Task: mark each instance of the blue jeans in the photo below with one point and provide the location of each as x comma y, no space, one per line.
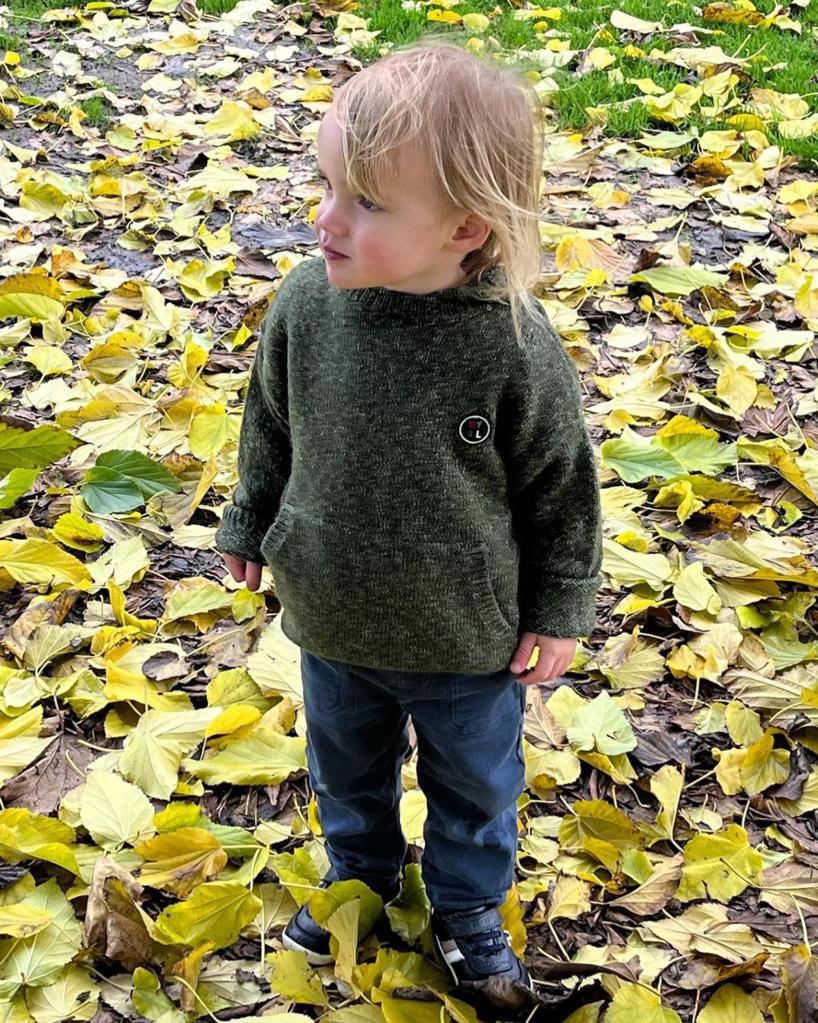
470,767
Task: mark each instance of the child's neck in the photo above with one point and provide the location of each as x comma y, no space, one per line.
454,279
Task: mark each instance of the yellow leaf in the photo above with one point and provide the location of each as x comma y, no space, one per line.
569,898
476,22
145,626
676,105
730,1005
599,58
38,561
232,719
693,589
21,921
666,786
743,724
719,865
512,914
211,429
180,860
74,530
413,810
293,978
234,121
201,280
448,17
263,758
631,24
597,819
216,911
764,766
48,359
634,1002
728,770
737,387
575,252
113,811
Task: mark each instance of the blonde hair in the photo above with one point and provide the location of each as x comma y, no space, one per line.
479,125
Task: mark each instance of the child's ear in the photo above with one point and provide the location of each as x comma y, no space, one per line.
471,233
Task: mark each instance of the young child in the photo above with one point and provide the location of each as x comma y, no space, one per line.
415,470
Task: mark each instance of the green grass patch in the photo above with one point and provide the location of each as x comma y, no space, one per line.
99,112
779,59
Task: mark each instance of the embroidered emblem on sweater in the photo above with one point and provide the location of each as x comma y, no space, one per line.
475,429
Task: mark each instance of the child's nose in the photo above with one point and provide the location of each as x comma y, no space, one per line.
329,220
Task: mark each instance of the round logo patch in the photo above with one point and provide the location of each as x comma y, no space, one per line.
475,429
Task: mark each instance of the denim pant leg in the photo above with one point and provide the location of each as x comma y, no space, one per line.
472,771
356,736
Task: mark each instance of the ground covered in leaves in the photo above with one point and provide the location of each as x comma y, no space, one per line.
157,178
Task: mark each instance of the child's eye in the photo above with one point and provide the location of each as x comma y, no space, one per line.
372,204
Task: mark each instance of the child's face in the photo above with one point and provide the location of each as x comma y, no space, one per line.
413,243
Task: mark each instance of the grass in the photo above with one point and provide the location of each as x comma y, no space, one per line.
98,111
779,59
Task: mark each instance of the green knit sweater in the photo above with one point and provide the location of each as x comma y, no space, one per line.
422,487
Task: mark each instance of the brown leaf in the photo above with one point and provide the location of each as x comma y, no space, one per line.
113,924
799,974
51,612
61,768
655,893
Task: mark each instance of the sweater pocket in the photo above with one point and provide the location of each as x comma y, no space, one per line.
355,597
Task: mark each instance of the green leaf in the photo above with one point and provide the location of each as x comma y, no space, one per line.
634,458
409,916
602,726
33,449
113,811
292,977
216,911
73,996
724,862
263,758
150,1000
14,484
348,910
18,752
298,873
122,480
39,960
679,280
154,750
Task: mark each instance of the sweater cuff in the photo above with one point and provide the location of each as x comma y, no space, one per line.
240,534
562,607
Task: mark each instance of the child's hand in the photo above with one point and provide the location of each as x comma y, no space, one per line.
556,654
243,571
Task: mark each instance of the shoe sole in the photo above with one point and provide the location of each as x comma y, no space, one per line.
313,958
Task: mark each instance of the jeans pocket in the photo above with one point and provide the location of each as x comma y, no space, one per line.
484,704
326,684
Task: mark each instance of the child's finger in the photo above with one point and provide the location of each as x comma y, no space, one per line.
252,575
543,671
235,566
522,655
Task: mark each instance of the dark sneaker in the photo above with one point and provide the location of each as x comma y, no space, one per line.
474,947
303,934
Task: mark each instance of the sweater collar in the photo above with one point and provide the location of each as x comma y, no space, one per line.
433,304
